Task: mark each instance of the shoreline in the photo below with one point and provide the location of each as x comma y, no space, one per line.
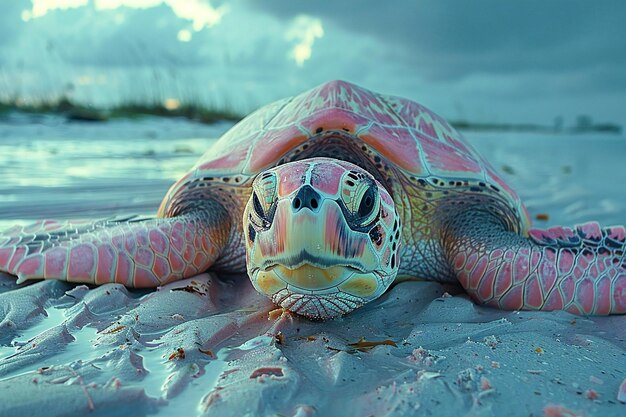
74,112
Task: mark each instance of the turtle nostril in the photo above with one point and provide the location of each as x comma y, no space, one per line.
306,198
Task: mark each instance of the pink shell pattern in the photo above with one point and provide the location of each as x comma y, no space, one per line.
407,134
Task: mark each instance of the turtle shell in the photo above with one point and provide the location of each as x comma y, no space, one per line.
406,135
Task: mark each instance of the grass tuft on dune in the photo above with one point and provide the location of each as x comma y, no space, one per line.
129,110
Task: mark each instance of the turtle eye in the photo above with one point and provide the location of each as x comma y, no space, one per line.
256,204
360,199
366,213
261,218
367,203
263,199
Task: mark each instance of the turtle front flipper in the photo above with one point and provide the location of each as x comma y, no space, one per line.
581,270
138,253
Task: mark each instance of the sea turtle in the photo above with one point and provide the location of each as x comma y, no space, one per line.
325,199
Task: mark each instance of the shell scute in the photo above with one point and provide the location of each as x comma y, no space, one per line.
238,141
337,95
334,119
272,145
448,160
421,118
227,161
396,143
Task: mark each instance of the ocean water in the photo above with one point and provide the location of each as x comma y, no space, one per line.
570,178
53,169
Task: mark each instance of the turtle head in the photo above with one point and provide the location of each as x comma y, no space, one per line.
322,237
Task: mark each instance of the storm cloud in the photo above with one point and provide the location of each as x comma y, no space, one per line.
450,38
485,60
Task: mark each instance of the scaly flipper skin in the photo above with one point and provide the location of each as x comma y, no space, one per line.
135,253
580,270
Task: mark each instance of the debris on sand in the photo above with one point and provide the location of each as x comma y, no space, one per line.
423,357
178,354
596,380
558,410
591,394
491,341
363,345
485,384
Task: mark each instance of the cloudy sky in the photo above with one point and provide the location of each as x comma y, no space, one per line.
482,60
